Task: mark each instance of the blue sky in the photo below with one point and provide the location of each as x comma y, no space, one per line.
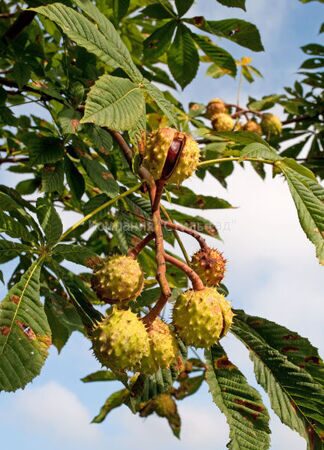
272,272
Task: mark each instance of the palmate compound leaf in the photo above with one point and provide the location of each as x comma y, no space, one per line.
101,39
24,332
114,102
295,396
242,405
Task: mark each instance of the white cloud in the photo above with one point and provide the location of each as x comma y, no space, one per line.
53,411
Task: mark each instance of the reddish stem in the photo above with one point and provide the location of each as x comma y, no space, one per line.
135,251
183,229
197,284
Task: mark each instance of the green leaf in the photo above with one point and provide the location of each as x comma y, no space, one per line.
74,179
120,8
188,386
10,250
43,149
104,42
297,349
166,107
49,220
164,406
159,41
242,137
113,401
308,196
259,150
21,72
265,103
157,11
101,375
100,139
24,332
186,197
69,120
183,6
233,3
75,253
62,317
11,199
114,102
119,235
27,187
183,58
101,177
295,396
216,54
243,33
242,405
14,228
53,178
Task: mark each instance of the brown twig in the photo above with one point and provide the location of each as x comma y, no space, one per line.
12,159
183,229
155,192
135,251
242,111
22,21
155,311
128,153
301,119
11,84
197,284
155,196
7,15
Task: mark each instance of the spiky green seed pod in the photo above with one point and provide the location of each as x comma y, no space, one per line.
271,125
163,345
222,122
253,127
201,318
227,314
215,106
119,279
171,155
120,341
209,264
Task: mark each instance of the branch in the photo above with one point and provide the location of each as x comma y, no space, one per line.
135,251
12,159
241,111
155,195
7,15
197,284
22,21
10,83
128,153
159,242
303,118
183,229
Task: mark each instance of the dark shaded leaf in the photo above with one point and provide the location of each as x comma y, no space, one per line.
183,58
242,405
